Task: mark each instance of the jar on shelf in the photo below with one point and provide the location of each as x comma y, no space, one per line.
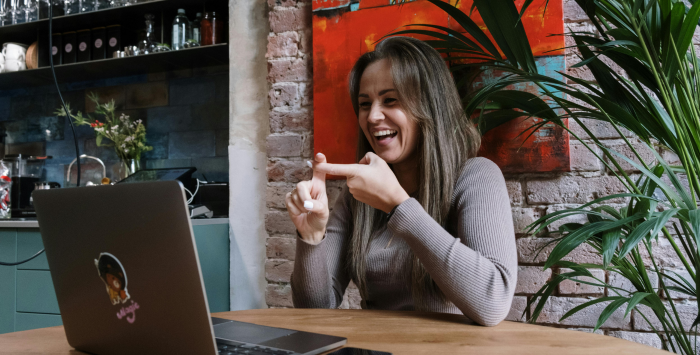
212,29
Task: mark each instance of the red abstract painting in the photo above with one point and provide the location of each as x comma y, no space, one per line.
343,30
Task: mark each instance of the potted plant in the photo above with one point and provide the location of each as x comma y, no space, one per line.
126,136
658,100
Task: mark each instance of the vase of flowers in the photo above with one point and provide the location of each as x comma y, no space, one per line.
127,136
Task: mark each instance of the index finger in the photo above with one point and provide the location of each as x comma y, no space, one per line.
337,169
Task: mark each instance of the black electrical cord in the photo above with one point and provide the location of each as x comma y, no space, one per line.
72,127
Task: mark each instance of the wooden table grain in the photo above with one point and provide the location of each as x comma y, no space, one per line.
391,331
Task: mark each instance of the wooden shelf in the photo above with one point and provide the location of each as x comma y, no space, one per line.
130,17
116,67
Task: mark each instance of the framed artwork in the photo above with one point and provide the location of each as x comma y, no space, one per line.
343,30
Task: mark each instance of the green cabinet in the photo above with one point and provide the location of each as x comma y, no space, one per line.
27,297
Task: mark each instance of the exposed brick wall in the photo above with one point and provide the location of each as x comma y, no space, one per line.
532,195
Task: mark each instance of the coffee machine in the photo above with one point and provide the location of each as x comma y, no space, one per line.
25,172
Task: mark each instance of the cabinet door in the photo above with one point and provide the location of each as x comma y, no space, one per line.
8,252
213,250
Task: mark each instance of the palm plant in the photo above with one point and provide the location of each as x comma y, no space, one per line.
657,98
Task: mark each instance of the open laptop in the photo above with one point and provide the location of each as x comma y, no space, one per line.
124,266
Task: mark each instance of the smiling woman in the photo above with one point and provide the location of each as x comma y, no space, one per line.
417,184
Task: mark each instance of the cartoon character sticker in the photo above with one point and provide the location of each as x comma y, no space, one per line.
113,275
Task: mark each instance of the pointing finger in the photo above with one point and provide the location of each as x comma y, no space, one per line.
320,176
337,169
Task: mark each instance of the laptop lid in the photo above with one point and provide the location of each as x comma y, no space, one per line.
124,266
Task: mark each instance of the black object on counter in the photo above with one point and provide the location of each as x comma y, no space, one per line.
215,196
69,47
99,45
114,39
84,47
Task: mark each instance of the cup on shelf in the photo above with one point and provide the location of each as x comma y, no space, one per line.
118,54
14,50
16,64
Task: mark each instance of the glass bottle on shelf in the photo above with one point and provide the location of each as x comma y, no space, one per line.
217,29
196,28
212,29
180,28
147,45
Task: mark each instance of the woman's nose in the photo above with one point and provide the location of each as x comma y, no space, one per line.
375,113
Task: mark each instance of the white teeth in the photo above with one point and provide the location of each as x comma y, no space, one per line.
384,133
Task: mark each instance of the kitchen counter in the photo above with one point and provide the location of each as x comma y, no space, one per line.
32,223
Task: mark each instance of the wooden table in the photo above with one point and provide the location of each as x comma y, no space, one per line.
395,332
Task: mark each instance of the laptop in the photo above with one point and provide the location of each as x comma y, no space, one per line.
124,266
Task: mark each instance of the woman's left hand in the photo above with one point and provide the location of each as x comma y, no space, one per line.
371,181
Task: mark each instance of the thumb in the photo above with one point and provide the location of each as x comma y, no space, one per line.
319,176
369,158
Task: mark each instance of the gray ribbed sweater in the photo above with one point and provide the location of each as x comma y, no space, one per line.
473,260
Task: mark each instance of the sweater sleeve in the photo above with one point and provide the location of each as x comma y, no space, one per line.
477,269
319,277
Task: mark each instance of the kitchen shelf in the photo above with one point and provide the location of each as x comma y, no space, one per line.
127,16
116,67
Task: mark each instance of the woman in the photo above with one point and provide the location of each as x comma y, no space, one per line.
423,224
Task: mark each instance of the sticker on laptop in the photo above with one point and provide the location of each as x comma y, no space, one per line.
113,275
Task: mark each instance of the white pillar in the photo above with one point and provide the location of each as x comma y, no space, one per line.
249,125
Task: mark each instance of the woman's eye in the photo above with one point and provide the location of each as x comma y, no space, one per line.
365,104
389,101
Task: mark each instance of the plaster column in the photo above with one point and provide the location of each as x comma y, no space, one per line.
249,127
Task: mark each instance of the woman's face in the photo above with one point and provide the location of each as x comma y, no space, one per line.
390,130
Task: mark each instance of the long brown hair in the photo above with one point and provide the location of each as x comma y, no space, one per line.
427,92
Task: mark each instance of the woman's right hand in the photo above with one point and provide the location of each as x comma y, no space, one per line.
307,205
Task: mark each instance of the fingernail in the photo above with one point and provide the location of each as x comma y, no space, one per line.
308,162
309,205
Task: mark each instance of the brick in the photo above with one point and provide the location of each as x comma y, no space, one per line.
277,295
619,281
585,26
284,145
516,309
284,94
299,69
571,287
649,339
306,93
572,189
352,298
556,307
515,192
290,19
279,222
600,129
529,247
622,148
664,254
291,120
573,12
283,45
670,157
531,279
306,42
281,248
582,159
105,94
276,194
288,171
278,270
523,217
677,274
577,218
307,146
687,311
285,3
149,94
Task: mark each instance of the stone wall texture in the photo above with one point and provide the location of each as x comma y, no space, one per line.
290,144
